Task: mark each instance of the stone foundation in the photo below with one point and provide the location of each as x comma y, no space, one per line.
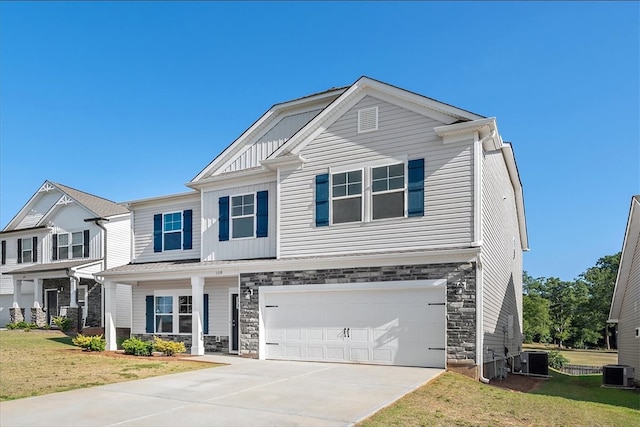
16,315
38,316
461,298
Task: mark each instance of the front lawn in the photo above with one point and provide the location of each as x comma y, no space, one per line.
455,400
40,362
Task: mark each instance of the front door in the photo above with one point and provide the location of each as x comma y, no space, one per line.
235,323
51,304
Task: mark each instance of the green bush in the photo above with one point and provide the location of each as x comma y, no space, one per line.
168,348
137,347
11,326
90,342
557,360
63,322
21,325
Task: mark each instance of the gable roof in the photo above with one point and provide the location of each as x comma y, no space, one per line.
629,247
328,104
97,206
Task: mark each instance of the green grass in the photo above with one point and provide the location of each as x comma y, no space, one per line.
580,357
455,400
41,362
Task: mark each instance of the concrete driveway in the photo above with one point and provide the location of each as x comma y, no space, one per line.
245,393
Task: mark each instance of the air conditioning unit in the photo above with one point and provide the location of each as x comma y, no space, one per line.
535,363
617,375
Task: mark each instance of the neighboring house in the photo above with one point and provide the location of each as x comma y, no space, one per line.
625,307
364,224
51,249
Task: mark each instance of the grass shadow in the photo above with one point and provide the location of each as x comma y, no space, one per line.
63,340
588,388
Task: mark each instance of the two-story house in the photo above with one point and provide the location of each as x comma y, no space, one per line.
364,224
52,248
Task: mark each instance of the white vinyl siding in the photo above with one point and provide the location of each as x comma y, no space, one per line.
629,320
123,307
501,257
118,241
143,229
402,135
246,248
44,202
271,141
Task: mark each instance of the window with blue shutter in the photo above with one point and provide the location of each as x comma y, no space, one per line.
223,218
416,188
205,315
149,315
262,218
322,200
187,238
157,233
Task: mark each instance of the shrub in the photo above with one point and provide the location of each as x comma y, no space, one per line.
557,360
90,342
21,325
63,322
168,348
11,326
137,347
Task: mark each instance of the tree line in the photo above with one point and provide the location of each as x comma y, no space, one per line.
571,313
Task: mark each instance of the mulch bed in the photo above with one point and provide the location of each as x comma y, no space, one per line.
519,383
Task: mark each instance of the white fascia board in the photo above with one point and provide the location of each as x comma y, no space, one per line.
162,199
56,206
252,176
631,238
514,176
21,213
468,130
286,161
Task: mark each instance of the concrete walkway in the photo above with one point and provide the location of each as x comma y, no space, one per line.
244,393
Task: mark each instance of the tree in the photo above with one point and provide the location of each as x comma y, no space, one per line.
536,322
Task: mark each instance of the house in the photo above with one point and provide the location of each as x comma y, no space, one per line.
363,224
50,251
625,306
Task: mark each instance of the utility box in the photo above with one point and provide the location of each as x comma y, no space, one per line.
617,375
535,363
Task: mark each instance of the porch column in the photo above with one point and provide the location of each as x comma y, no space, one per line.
197,309
37,293
74,291
109,288
17,292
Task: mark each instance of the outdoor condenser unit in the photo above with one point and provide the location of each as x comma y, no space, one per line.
617,375
535,362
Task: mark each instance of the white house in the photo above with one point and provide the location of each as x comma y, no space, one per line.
625,307
51,249
364,224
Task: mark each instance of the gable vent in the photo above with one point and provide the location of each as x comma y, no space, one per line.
367,119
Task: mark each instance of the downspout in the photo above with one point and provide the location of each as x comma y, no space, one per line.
479,320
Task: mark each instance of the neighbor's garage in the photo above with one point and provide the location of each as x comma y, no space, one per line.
387,323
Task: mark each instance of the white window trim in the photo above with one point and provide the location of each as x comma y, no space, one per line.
254,215
181,213
405,189
363,190
175,294
30,240
70,244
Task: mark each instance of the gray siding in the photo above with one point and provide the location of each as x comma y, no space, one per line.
628,344
213,249
143,230
402,134
501,258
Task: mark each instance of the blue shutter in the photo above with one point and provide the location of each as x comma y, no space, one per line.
34,250
416,187
149,314
205,315
262,210
223,219
322,200
86,244
157,233
187,229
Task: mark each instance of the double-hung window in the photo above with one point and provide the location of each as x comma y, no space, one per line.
70,245
346,196
243,216
388,186
184,314
63,245
27,250
77,244
164,314
172,230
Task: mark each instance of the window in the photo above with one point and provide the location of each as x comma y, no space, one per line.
242,216
164,314
172,231
346,196
77,244
71,245
63,246
27,250
184,314
388,191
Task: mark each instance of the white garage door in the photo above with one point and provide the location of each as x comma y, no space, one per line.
389,323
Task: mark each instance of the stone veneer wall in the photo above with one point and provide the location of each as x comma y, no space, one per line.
461,308
94,311
212,343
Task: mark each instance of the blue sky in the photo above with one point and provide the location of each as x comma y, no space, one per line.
132,100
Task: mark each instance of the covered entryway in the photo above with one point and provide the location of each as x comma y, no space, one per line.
387,323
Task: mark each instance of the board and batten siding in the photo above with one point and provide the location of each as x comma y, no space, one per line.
401,135
247,248
42,205
501,258
629,320
118,241
143,230
219,301
271,141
